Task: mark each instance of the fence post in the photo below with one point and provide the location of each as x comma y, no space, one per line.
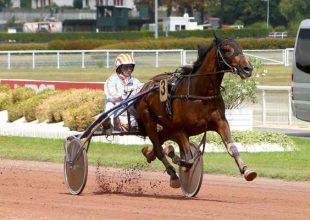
156,58
132,55
289,107
9,60
33,60
287,57
108,54
181,57
184,58
264,106
58,59
83,59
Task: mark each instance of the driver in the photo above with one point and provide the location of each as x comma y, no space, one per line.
118,86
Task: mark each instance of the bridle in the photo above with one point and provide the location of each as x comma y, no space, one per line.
227,60
224,64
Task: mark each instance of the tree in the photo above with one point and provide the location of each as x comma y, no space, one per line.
5,4
295,9
248,12
149,4
25,4
78,4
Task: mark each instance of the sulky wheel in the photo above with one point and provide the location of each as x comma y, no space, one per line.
75,166
191,179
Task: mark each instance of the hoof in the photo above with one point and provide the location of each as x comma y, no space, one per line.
149,154
185,169
250,175
175,182
168,150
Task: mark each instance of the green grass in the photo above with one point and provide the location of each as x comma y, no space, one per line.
276,75
289,165
79,75
284,165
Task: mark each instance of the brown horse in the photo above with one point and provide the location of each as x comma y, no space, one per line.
195,105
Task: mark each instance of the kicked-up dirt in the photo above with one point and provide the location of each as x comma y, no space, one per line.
36,190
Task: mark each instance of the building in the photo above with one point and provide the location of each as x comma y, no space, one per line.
90,4
96,15
181,23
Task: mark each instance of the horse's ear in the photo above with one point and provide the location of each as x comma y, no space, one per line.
216,37
201,50
214,34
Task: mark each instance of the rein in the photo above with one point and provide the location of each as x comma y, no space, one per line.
222,59
195,97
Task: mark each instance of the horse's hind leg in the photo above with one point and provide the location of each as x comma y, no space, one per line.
151,130
187,159
231,148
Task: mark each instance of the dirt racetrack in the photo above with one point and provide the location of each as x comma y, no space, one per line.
36,190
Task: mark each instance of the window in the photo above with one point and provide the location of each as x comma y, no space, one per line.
302,53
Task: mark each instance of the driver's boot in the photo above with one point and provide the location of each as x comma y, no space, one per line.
107,126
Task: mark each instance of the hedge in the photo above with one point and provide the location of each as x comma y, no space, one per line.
22,93
30,105
192,43
124,35
53,107
76,107
5,100
5,97
189,43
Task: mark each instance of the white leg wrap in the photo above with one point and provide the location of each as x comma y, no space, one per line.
231,149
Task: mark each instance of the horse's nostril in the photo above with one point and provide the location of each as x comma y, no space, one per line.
248,70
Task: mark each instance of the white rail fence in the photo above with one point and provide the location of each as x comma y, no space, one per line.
37,59
273,107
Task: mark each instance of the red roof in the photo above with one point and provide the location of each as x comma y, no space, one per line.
213,19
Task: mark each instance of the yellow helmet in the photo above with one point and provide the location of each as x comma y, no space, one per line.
123,59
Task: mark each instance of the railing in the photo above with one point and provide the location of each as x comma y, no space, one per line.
278,35
105,58
274,102
273,107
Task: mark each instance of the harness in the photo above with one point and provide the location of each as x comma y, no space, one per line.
176,77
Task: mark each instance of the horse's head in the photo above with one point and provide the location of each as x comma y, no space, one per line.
231,57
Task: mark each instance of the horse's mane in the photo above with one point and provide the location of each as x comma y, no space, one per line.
186,70
202,53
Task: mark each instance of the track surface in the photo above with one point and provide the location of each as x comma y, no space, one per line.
36,190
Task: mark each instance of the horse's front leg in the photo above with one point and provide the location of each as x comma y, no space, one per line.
224,132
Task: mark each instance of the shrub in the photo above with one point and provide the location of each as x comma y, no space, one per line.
5,88
237,91
44,110
5,100
78,44
31,104
22,93
15,111
79,118
23,46
191,43
53,108
280,28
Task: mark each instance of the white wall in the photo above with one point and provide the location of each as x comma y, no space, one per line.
170,23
